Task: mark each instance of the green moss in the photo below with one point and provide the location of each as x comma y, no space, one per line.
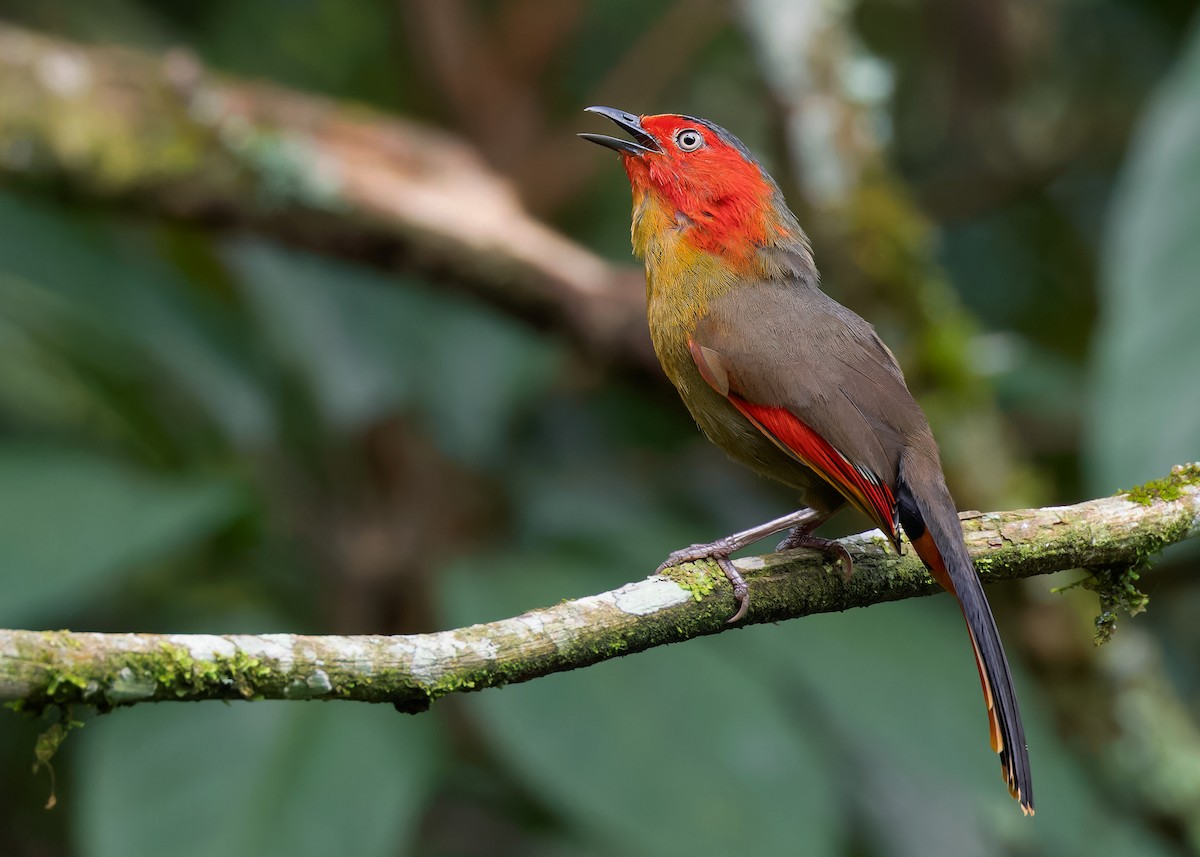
700,578
171,671
62,686
48,742
1166,489
1117,587
174,671
496,675
1118,591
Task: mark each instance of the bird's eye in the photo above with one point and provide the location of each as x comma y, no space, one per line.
689,140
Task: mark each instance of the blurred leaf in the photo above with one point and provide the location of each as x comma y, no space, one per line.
1145,413
484,369
671,752
367,344
899,684
70,521
82,272
346,331
268,778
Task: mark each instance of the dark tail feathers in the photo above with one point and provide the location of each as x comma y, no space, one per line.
928,516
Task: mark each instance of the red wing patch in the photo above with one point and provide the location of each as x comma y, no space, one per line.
860,486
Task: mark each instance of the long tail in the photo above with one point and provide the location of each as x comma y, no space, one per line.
928,516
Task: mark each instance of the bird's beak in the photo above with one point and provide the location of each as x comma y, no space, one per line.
642,142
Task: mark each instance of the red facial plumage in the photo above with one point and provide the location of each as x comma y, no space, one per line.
718,187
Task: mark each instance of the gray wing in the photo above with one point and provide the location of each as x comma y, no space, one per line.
792,347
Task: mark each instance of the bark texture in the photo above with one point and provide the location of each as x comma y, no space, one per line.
1108,536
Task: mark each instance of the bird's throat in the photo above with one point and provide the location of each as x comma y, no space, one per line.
728,229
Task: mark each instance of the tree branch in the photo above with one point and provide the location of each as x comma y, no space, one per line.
165,135
42,668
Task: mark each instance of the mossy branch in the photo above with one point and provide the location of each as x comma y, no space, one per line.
38,669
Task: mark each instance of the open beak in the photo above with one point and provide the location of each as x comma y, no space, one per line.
639,145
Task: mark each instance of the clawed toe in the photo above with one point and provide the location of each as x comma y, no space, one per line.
718,552
679,557
803,521
802,538
713,551
741,592
847,561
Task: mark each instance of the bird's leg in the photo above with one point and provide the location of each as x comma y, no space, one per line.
720,551
801,537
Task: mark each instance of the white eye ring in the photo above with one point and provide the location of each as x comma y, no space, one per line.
689,140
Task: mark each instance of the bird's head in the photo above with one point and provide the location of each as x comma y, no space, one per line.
694,176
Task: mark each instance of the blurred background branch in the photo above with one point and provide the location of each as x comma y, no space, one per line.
1114,534
166,136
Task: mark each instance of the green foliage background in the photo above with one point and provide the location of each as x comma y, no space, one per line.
203,431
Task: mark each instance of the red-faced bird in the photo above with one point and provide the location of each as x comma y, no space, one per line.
789,382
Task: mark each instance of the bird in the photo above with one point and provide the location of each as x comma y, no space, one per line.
789,382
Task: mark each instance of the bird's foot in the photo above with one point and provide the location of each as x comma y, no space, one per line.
718,552
801,537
